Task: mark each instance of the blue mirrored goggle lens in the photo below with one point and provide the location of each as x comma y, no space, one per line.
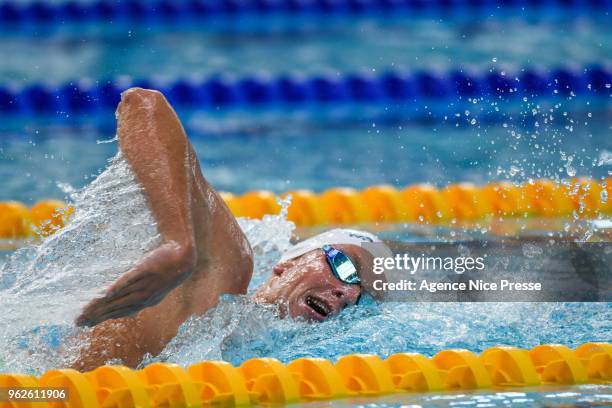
341,265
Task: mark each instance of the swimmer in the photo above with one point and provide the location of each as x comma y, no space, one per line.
203,252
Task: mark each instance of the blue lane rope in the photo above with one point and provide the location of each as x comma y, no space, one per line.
175,11
388,88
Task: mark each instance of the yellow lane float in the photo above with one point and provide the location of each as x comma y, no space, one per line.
267,381
420,203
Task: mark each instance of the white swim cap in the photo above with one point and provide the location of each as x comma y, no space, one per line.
364,239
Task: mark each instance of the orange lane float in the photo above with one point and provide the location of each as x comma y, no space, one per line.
264,381
420,204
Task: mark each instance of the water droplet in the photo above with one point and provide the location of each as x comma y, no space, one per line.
569,169
605,158
531,251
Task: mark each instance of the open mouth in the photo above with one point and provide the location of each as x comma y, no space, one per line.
319,306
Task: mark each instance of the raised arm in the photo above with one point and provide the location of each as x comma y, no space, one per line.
203,253
156,147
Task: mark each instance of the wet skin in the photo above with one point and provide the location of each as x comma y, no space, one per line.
305,287
203,253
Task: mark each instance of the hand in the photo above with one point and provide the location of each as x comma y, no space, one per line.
146,284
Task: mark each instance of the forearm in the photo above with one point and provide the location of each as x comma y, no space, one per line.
156,147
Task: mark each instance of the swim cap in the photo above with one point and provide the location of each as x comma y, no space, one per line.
340,236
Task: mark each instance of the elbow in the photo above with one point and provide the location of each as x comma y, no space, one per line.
140,96
137,107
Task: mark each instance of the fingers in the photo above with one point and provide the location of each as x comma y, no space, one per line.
113,313
130,293
131,300
126,310
91,321
124,284
101,310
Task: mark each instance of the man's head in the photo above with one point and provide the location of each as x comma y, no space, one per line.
304,284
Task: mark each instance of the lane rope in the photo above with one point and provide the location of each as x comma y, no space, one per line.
420,204
264,381
166,11
392,88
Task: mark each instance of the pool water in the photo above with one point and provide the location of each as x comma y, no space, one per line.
340,45
313,155
580,396
62,157
243,150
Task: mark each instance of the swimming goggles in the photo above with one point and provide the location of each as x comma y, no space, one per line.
342,267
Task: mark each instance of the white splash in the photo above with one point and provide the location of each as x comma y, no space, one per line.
44,286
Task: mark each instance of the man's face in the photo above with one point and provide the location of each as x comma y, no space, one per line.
306,287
